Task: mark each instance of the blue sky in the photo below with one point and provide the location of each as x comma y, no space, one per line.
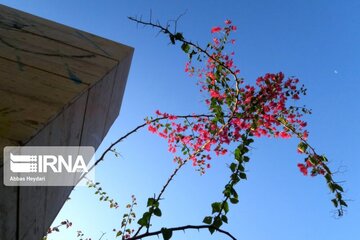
317,41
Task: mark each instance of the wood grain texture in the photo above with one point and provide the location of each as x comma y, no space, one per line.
117,92
51,56
12,18
97,105
8,210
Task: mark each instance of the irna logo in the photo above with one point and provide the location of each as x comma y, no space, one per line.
46,163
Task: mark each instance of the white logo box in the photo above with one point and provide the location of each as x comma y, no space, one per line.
47,166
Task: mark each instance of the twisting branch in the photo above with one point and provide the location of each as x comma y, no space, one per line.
183,228
175,36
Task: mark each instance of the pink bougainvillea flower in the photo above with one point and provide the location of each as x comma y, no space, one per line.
284,135
152,129
296,97
303,169
227,22
215,29
309,163
216,94
187,66
305,135
172,117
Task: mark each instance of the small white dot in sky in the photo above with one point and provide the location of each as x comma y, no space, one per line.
336,72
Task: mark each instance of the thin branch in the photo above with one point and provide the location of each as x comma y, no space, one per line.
183,228
102,235
166,30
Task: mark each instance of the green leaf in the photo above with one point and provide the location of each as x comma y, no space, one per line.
142,222
211,230
233,167
166,233
249,141
338,187
313,160
224,219
338,195
335,202
157,212
234,193
237,154
244,150
242,175
150,202
172,39
216,207
343,203
331,186
207,220
234,200
241,167
118,233
217,222
227,192
302,147
235,178
185,47
179,36
226,207
328,178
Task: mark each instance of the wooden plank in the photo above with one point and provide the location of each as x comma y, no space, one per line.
96,111
30,98
12,18
31,213
117,93
26,118
65,129
8,210
53,56
37,84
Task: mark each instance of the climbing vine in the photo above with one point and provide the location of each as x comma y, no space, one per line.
238,113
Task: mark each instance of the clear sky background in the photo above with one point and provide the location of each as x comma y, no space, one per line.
317,41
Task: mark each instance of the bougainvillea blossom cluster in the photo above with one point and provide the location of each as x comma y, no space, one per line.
262,109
